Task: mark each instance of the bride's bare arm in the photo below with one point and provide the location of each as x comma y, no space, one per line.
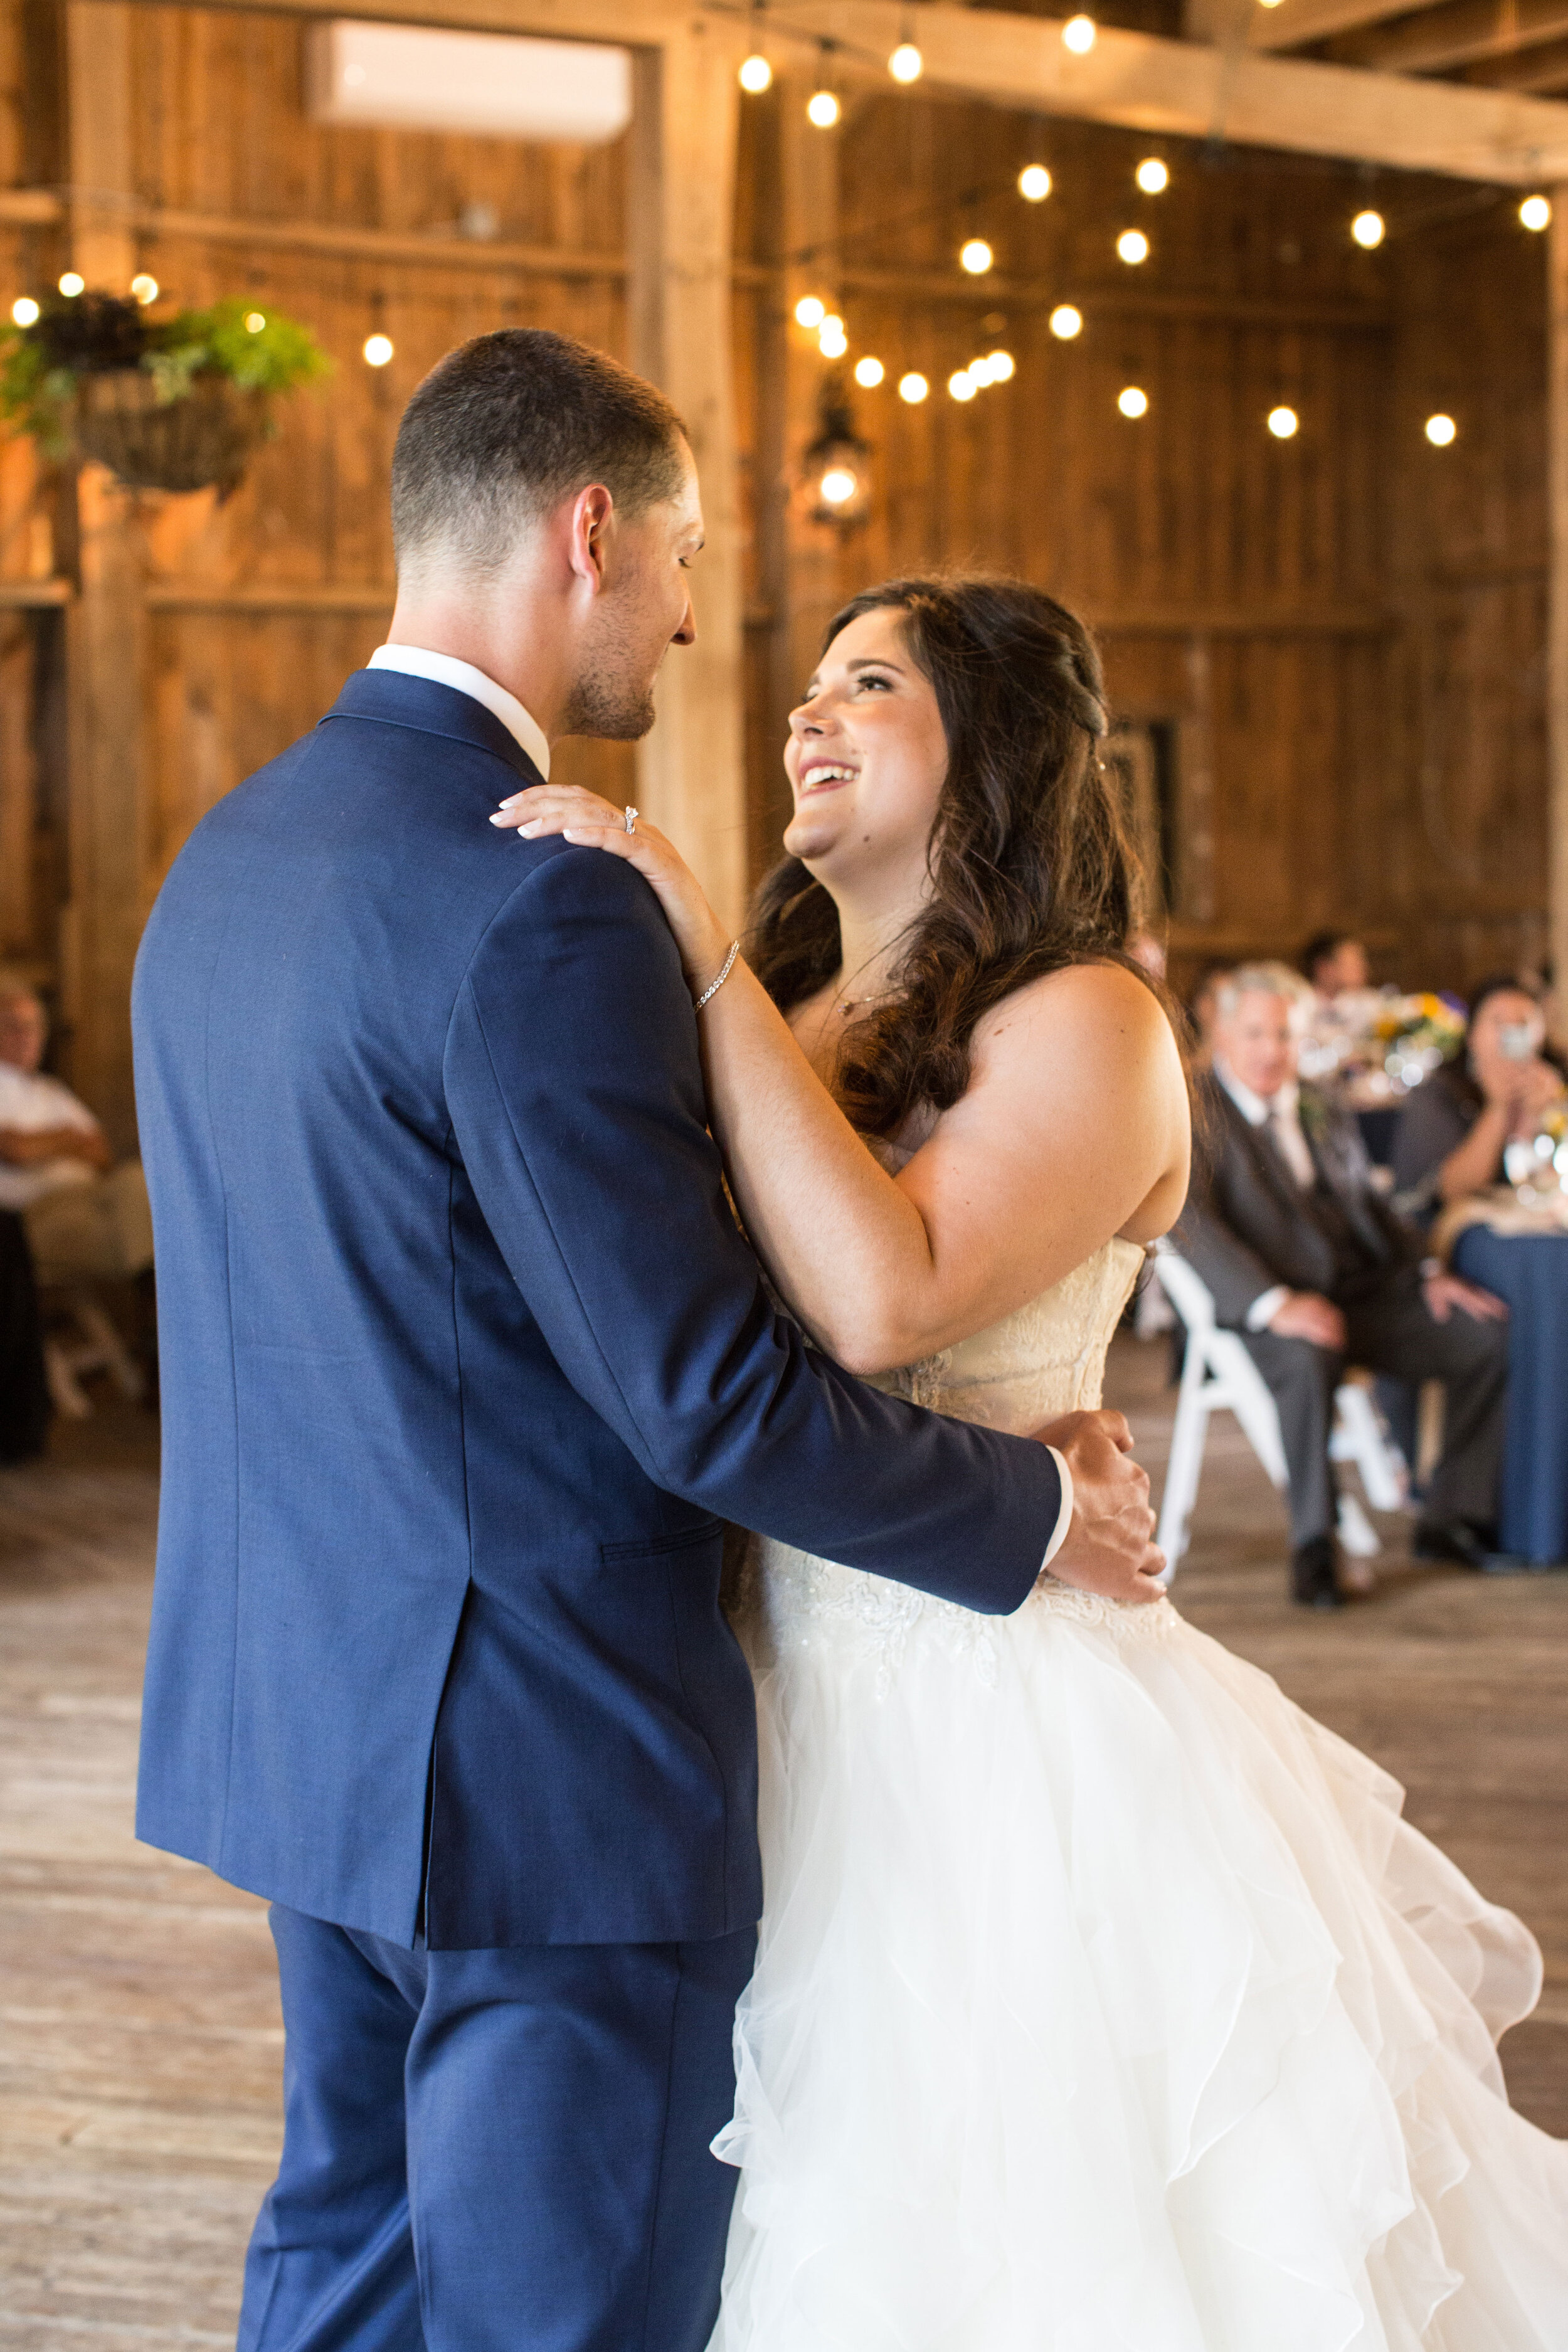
1074,1127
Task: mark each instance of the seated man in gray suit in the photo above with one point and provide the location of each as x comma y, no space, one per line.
1313,1270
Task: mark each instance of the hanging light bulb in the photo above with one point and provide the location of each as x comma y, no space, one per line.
913,387
822,109
1033,183
254,321
1004,367
144,286
1154,175
832,340
1283,423
1132,247
906,64
1133,401
962,384
1369,229
868,372
1078,35
976,255
72,284
810,312
1064,322
377,351
1535,212
755,74
25,310
1441,430
979,372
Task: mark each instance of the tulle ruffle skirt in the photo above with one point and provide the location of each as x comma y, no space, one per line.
1104,2004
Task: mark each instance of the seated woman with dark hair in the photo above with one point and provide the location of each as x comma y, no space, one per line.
1454,1128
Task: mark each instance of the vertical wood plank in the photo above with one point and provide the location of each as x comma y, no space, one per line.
691,767
1557,600
104,914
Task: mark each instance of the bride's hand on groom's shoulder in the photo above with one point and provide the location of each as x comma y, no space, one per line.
582,818
1110,1547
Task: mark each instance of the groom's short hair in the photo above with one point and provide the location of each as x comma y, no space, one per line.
509,424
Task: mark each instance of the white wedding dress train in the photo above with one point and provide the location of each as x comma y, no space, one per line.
1103,2002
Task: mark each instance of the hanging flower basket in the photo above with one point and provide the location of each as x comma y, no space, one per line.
204,439
173,403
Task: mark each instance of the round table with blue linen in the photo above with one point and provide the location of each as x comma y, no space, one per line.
1530,1272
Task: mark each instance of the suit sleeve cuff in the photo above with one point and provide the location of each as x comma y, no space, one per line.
1263,1311
1064,1517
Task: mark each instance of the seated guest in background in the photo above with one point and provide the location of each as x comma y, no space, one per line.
1334,961
47,1137
1202,1009
1454,1130
84,1220
1312,1267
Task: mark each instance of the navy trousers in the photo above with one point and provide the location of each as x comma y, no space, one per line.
497,2151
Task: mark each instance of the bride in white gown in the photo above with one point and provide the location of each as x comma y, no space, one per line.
1103,2002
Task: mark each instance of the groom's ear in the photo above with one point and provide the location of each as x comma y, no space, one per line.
591,517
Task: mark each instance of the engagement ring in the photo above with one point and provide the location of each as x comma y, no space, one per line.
630,818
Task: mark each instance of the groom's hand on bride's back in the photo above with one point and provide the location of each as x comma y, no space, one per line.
1110,1547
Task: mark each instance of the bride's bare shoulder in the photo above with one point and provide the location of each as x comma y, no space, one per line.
1084,1011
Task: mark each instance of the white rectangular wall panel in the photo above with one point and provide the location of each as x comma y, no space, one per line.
499,85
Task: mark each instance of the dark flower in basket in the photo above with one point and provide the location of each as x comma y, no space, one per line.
173,402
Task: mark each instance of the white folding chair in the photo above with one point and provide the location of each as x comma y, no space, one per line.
1217,1374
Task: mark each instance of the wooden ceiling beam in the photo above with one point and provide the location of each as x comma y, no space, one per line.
1135,79
1457,34
1191,92
1297,24
1537,71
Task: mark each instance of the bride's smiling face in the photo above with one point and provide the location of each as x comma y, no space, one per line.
866,759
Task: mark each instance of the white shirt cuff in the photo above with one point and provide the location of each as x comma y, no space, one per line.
1263,1311
1064,1517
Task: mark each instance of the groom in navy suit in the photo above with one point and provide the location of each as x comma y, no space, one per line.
464,1365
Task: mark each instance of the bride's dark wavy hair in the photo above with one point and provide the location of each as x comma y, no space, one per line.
1031,867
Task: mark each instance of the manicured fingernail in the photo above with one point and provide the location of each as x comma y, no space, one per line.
535,825
511,800
498,818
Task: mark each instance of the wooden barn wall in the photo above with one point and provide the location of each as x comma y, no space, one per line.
1468,579
1338,636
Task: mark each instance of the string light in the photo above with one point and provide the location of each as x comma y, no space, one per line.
869,371
1133,401
1535,212
1078,35
1154,175
1440,430
377,350
144,286
962,384
1004,367
976,255
1283,423
254,321
25,310
822,109
72,284
913,387
979,372
1033,183
809,311
1132,247
838,486
832,340
1064,322
1369,229
906,64
755,74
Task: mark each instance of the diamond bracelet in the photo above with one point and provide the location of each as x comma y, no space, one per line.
714,986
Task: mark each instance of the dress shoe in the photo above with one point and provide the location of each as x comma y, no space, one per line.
1313,1581
1469,1546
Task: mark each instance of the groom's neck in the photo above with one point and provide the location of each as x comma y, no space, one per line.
518,633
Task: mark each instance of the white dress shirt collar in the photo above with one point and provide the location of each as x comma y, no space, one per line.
444,669
1259,1109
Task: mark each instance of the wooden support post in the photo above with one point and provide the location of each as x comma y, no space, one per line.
680,203
105,911
1557,607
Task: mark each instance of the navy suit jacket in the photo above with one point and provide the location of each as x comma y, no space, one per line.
464,1362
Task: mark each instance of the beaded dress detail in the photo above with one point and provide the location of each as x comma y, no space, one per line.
1103,2001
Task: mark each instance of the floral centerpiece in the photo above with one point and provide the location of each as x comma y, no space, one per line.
1379,1043
172,403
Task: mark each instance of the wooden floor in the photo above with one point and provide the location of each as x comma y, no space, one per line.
140,2042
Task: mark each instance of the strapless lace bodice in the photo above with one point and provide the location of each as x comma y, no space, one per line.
1045,1359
